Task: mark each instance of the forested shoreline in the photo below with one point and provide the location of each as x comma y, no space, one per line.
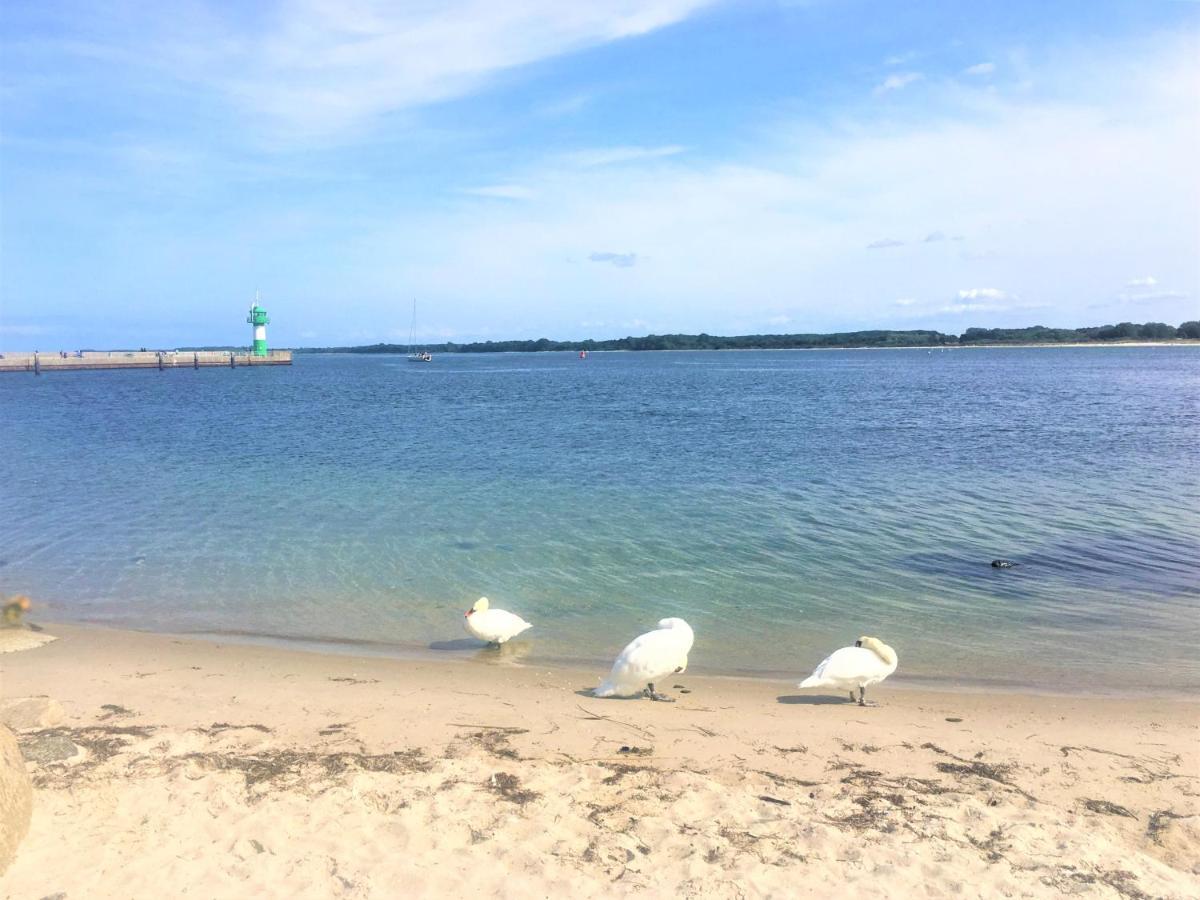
1037,334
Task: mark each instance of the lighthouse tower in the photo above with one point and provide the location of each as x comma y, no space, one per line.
258,318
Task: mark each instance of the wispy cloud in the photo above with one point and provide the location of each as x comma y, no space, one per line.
607,156
983,68
884,243
906,301
1146,281
982,294
933,237
322,68
620,260
898,81
500,191
1152,296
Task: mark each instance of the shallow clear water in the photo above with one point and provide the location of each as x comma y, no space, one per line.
783,502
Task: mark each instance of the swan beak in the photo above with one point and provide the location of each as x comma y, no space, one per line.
858,643
467,614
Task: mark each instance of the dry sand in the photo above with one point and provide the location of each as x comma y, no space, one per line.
165,765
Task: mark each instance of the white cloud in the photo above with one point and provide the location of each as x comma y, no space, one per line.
906,301
318,67
1152,296
607,156
620,260
500,191
788,220
1147,281
884,243
983,68
898,81
982,294
933,237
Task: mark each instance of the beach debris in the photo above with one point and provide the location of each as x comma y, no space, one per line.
769,799
508,787
596,716
1160,822
1004,564
350,680
993,846
494,741
799,748
300,768
955,719
113,711
218,727
636,751
1104,807
14,610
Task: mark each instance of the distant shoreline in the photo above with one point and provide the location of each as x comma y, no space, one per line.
332,351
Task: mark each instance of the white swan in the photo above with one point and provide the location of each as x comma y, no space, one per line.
493,625
648,658
868,662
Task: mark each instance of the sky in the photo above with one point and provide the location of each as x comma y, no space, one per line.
534,168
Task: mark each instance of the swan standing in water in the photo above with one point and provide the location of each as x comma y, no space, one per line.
868,662
493,625
649,657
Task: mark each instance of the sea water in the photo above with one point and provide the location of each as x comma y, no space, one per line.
784,503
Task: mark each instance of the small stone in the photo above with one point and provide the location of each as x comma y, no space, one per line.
48,748
27,713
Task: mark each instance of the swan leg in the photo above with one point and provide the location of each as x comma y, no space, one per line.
862,697
654,695
852,696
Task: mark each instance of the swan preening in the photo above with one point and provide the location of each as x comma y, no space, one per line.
493,625
648,658
868,662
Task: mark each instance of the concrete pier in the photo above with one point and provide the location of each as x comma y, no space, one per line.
138,359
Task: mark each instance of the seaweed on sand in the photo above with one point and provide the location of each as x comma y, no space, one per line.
508,787
302,768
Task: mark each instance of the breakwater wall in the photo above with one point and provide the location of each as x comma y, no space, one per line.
138,359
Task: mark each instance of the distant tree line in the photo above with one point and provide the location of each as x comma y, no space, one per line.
1037,334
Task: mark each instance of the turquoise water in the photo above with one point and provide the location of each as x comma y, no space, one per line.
782,502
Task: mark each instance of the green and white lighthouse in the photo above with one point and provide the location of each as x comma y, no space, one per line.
259,319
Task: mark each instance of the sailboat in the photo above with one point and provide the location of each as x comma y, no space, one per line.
415,355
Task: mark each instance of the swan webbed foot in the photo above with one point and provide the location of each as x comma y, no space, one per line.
655,695
862,697
852,699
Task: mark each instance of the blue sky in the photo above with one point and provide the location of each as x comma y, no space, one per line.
533,168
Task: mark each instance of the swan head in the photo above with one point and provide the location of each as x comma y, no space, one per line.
480,605
878,647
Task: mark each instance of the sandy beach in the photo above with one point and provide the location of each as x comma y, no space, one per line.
164,765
